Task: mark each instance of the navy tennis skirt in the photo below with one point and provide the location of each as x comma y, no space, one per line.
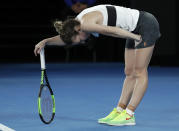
148,28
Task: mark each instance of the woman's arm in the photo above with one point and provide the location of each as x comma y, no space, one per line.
56,40
110,31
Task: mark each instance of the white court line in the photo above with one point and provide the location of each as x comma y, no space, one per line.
5,128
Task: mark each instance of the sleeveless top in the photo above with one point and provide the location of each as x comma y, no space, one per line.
126,18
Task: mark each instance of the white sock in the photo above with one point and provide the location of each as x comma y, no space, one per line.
131,113
119,109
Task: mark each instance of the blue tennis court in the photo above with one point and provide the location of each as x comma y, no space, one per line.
85,92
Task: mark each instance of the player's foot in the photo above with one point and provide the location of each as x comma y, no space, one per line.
111,116
122,119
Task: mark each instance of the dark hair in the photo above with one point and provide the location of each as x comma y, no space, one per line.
66,29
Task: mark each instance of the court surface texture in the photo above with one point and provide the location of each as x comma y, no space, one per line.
85,92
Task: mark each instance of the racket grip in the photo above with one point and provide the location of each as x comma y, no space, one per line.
42,58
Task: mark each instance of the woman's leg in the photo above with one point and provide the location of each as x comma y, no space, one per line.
136,83
127,87
129,81
142,60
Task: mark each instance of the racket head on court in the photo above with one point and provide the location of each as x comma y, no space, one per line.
46,101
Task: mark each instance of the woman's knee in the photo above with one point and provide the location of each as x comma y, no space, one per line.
140,71
129,71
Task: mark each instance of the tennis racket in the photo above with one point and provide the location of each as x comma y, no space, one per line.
46,100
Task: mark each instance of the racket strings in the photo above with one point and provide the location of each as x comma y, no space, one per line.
46,104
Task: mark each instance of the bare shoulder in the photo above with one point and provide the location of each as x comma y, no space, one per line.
92,17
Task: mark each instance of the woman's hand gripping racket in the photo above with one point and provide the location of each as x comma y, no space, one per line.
46,100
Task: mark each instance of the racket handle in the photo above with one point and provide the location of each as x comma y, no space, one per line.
42,58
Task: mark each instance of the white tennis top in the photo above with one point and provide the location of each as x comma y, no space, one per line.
127,18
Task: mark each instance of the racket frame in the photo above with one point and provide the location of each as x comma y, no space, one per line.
44,78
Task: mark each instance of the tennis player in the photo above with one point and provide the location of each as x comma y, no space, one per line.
141,31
